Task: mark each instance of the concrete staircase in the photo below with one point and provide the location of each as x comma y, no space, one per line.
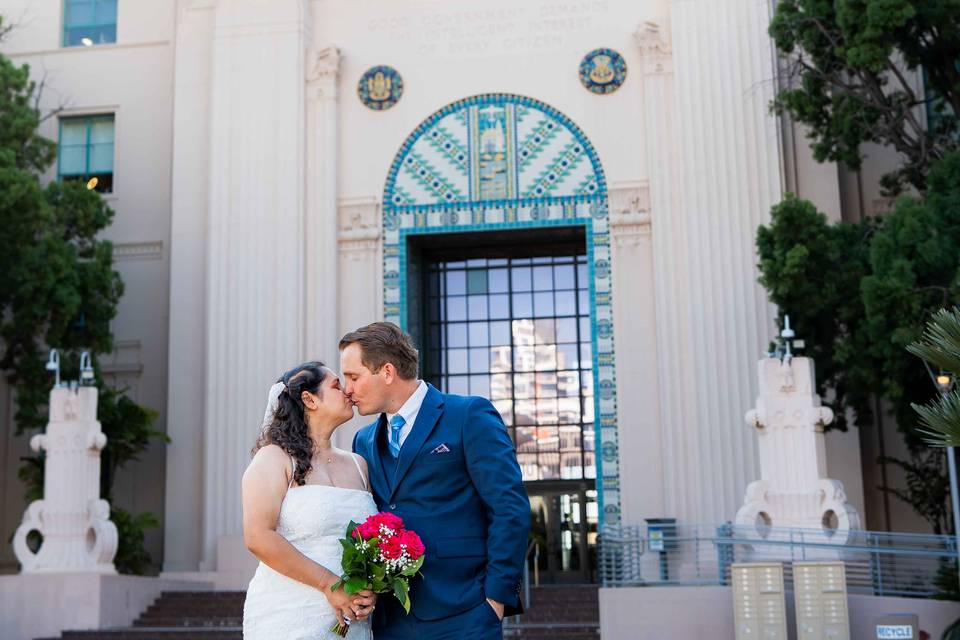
556,613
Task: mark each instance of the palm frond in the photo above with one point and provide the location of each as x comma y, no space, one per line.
940,345
941,420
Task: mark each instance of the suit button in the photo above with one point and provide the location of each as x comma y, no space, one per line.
393,506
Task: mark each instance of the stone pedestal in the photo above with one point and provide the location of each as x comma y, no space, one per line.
74,522
794,490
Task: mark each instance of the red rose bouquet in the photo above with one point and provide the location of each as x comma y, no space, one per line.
380,555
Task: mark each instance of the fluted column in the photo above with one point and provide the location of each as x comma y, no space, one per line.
714,174
322,259
255,241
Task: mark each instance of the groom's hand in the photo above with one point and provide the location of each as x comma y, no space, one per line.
497,607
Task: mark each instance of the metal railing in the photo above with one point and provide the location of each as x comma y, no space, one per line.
878,563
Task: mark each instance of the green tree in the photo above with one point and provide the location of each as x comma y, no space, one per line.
849,68
59,289
859,294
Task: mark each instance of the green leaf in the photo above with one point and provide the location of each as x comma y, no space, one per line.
401,591
355,584
350,527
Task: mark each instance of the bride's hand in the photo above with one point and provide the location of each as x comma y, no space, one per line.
342,603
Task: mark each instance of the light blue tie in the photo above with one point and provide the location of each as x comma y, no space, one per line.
396,424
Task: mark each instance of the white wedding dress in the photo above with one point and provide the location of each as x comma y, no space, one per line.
313,518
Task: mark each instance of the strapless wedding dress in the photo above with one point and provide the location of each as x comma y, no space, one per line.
313,518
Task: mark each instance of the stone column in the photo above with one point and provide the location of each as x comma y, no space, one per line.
714,158
74,522
635,326
323,265
256,265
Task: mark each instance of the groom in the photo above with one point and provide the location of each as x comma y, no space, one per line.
446,465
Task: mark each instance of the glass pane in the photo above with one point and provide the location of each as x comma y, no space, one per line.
584,300
583,276
567,356
499,306
585,333
589,466
547,439
501,386
570,468
568,411
568,385
549,466
101,130
588,406
476,281
546,357
479,360
542,304
526,439
525,412
547,385
500,359
106,12
456,308
524,358
542,278
458,385
101,158
73,132
500,333
456,282
477,307
545,331
523,332
586,360
498,280
505,407
567,304
563,277
478,334
570,438
586,383
520,278
524,385
566,330
522,305
529,466
480,386
456,335
456,360
78,13
73,160
547,411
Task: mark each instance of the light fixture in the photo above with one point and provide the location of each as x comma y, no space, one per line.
86,368
53,364
944,382
87,42
92,183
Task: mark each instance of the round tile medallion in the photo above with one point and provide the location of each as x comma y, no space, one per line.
380,88
603,71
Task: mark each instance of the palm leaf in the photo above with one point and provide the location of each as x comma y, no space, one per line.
940,345
941,420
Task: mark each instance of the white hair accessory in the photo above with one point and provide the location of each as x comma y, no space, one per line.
272,401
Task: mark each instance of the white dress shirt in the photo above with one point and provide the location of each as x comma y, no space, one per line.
409,411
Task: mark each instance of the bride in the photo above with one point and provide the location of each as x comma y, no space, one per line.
299,494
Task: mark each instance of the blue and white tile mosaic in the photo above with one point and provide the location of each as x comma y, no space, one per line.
603,71
502,161
380,88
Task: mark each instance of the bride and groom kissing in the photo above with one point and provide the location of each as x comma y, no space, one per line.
443,463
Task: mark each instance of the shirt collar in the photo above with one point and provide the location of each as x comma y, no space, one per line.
412,405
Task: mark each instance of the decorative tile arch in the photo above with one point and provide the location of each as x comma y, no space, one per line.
503,161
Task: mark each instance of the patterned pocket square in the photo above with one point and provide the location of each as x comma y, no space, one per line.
443,448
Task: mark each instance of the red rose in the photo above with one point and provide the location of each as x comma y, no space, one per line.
390,547
413,542
366,531
385,519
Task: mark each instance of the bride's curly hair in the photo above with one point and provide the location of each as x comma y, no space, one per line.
288,429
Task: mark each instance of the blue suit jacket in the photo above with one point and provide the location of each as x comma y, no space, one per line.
468,505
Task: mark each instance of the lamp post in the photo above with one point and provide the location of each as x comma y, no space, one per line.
945,382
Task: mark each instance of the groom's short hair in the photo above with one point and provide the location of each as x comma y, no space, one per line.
383,342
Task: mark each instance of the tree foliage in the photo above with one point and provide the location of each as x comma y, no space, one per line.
850,75
58,289
859,294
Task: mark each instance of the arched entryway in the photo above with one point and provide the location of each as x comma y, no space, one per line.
496,258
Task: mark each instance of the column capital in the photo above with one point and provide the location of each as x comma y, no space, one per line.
323,71
656,50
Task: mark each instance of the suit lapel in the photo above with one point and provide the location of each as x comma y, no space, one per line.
374,449
430,412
